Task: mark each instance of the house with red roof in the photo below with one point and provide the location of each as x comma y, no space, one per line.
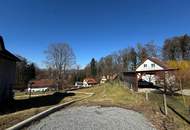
41,85
87,82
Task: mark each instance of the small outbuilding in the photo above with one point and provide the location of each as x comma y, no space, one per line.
7,72
103,80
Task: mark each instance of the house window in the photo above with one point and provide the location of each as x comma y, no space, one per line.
145,65
152,65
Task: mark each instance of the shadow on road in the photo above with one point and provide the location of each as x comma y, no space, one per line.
34,102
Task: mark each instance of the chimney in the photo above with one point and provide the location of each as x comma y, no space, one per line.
2,46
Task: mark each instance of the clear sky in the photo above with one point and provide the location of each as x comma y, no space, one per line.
93,28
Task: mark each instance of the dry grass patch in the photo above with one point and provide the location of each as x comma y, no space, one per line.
9,120
116,94
177,103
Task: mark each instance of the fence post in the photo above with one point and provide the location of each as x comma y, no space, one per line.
180,84
165,105
147,98
131,87
29,88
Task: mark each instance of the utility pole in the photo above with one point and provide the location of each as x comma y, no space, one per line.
180,84
147,98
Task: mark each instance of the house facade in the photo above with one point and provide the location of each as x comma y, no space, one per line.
87,82
7,72
150,73
149,69
103,80
150,65
41,85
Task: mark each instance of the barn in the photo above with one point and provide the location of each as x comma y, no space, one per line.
7,72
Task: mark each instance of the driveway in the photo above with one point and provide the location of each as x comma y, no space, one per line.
93,118
185,92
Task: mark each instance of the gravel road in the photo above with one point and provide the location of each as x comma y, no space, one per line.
93,118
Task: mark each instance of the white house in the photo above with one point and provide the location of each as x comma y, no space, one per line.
88,82
103,80
147,70
41,85
151,64
150,73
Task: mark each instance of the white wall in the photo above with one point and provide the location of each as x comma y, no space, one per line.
149,67
37,89
85,84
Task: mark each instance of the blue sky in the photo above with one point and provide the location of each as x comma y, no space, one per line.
93,28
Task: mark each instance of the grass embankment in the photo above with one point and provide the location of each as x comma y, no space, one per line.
176,103
25,95
23,107
115,94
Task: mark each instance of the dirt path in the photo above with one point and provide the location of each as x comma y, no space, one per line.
93,118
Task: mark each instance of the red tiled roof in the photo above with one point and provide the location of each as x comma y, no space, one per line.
90,80
42,83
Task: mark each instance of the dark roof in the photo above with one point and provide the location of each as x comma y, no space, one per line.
5,53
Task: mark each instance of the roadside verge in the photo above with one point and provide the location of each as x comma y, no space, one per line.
48,112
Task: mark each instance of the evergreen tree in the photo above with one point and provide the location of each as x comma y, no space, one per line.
32,71
93,67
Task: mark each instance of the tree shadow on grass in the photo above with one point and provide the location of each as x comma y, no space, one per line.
34,102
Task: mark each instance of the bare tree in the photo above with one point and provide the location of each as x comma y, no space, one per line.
60,57
177,48
152,49
141,52
125,58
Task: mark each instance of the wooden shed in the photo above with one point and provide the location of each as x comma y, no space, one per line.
7,72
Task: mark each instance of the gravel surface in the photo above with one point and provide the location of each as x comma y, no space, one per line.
93,118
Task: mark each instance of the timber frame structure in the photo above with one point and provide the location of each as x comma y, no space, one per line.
131,78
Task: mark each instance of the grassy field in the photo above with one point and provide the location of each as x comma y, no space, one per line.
113,94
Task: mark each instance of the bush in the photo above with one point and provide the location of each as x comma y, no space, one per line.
183,72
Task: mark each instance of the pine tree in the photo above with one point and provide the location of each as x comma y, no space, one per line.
93,67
